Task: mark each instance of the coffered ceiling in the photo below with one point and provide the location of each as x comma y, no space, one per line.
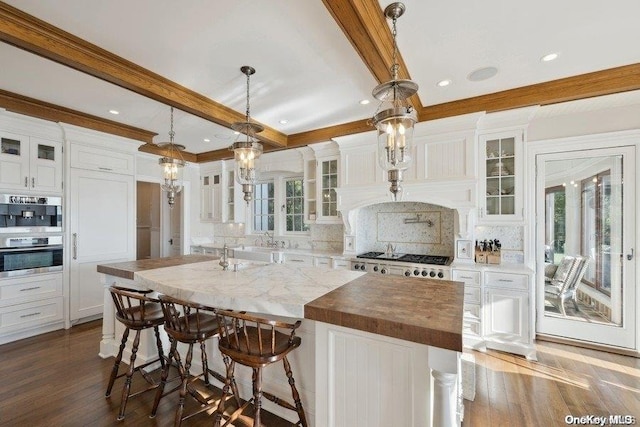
75,60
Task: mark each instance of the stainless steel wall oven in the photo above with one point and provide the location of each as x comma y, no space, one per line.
21,256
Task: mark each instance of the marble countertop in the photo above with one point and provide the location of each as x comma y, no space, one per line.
414,309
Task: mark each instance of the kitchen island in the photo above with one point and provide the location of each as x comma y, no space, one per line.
377,350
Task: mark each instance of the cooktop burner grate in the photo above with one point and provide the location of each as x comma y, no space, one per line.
413,258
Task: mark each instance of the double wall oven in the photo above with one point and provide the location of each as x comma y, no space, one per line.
31,240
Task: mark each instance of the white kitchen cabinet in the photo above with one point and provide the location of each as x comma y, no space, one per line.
30,305
327,180
472,322
102,230
211,197
306,260
501,177
310,191
233,205
30,163
507,320
341,263
99,159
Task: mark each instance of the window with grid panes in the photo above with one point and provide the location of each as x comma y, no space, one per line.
263,207
294,202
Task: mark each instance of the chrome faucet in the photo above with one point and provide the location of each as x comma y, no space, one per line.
270,242
391,250
224,260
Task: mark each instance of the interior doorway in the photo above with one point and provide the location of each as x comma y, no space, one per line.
148,223
585,205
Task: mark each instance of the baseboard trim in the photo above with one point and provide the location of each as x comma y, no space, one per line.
592,346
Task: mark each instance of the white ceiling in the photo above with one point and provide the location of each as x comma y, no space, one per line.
307,71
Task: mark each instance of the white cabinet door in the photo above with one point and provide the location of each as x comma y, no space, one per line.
327,199
507,315
101,210
501,177
30,164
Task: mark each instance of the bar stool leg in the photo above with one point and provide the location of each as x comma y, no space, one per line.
229,382
127,384
163,378
159,345
184,373
205,364
294,392
116,364
257,396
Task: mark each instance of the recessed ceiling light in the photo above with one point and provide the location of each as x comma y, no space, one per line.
283,122
114,111
206,140
443,83
364,102
482,74
550,57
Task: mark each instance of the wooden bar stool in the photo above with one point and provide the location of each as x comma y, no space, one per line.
257,342
135,310
190,323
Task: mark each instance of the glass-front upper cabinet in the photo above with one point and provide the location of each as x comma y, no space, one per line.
29,163
501,176
327,180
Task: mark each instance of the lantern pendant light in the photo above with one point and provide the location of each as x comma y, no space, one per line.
395,116
172,165
247,149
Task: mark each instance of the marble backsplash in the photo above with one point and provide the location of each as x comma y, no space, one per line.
411,227
511,238
321,237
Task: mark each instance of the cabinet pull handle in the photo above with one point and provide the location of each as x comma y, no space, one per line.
33,182
30,289
505,280
630,256
104,169
26,181
296,260
466,277
75,245
481,212
37,313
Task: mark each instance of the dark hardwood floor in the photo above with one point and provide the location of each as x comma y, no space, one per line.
58,379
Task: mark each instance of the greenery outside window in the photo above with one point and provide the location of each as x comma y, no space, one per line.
294,202
263,207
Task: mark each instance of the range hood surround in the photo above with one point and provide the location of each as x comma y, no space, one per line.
459,196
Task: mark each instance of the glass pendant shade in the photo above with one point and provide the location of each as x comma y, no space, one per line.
247,149
171,166
395,117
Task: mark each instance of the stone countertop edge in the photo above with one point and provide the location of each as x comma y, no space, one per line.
424,311
127,269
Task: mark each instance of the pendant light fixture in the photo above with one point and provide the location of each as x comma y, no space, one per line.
395,117
172,165
247,148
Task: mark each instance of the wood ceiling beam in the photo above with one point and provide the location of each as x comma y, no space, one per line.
598,83
36,36
364,24
55,113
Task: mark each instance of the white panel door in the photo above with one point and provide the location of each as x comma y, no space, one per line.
101,211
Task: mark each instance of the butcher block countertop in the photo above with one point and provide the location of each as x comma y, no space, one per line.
425,311
420,310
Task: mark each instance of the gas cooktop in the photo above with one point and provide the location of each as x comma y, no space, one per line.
413,258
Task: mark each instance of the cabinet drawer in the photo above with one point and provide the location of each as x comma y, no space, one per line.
26,289
19,316
340,263
472,313
471,329
322,261
507,280
466,276
472,295
299,259
84,157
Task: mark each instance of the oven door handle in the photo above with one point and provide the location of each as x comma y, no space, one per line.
31,248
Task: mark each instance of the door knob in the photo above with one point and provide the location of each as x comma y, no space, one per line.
630,256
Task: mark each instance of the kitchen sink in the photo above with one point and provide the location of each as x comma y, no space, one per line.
257,253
